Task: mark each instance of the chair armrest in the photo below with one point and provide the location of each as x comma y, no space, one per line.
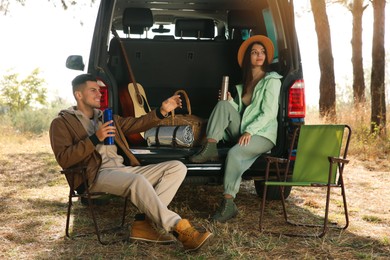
277,161
271,159
74,170
337,160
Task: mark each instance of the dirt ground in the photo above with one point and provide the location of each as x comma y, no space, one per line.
33,198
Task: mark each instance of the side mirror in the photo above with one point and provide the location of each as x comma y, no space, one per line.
75,62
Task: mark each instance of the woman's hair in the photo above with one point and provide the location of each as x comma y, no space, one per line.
247,76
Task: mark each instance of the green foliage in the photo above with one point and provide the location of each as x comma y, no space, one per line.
5,4
34,121
367,143
31,121
21,95
372,219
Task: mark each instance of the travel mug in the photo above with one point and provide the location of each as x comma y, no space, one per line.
224,87
107,117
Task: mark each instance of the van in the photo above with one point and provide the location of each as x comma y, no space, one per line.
180,44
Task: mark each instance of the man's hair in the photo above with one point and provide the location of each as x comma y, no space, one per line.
80,80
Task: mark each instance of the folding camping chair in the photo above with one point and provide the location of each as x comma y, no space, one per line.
70,176
320,160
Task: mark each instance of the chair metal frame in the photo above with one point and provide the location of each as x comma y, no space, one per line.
339,162
69,174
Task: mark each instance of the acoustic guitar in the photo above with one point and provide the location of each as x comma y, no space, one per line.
136,91
132,97
141,105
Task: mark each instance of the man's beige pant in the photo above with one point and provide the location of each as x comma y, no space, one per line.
150,188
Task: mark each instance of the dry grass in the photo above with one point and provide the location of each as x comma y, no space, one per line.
371,149
33,209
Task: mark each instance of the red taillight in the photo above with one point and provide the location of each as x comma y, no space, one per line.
104,92
296,100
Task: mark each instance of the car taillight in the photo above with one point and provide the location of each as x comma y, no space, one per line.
296,100
104,92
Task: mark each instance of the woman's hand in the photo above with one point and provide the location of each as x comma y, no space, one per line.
170,104
228,95
105,130
244,139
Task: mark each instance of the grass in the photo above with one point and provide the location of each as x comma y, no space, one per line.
33,199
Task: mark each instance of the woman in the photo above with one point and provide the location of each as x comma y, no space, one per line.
249,119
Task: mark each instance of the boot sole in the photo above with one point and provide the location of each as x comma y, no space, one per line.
224,221
205,242
165,242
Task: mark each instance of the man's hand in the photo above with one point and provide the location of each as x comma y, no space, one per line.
244,139
170,104
105,130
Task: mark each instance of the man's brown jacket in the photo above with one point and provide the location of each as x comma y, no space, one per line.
72,146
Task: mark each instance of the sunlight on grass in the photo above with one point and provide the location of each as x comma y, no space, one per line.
34,194
386,241
372,219
365,145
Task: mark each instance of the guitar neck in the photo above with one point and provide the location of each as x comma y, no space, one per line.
131,74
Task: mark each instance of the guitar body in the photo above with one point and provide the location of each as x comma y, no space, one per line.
126,102
140,102
127,106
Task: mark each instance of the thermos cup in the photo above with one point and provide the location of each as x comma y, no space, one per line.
107,117
224,87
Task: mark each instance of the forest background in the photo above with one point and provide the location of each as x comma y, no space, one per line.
36,39
53,33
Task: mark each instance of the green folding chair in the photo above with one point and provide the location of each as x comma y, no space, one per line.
321,156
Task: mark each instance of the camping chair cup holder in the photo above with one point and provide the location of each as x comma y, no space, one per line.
321,154
70,174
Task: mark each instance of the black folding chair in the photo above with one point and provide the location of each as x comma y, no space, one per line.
88,195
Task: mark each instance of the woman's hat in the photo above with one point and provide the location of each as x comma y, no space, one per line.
265,41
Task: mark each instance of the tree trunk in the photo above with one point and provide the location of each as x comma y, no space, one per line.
327,102
378,103
357,56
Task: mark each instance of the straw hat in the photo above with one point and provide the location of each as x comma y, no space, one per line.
265,41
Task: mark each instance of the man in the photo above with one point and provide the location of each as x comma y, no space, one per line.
76,137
